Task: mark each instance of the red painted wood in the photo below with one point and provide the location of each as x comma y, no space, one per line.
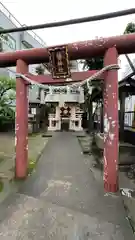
79,50
75,76
21,122
111,123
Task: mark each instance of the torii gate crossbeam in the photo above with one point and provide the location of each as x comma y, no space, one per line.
107,47
79,50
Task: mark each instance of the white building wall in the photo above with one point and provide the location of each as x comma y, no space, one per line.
18,41
21,40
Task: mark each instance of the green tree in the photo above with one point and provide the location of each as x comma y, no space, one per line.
130,28
40,70
7,99
93,63
97,62
7,90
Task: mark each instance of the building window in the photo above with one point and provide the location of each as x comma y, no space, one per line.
33,111
26,45
8,42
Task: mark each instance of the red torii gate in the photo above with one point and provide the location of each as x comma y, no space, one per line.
107,47
75,77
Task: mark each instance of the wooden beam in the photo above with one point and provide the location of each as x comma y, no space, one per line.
78,50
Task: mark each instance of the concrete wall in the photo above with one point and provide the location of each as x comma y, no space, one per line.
74,66
33,94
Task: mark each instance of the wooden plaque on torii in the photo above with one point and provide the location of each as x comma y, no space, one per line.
59,62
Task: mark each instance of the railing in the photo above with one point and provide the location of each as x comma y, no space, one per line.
129,120
18,24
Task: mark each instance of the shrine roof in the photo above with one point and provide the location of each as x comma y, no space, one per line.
75,76
127,85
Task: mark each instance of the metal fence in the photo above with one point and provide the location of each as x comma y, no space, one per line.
129,120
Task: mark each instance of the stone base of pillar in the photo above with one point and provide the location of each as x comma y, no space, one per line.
73,127
55,127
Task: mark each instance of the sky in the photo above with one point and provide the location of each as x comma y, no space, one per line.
32,12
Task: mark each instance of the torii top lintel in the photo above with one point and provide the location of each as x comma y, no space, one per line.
79,50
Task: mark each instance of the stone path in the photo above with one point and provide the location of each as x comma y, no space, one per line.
64,200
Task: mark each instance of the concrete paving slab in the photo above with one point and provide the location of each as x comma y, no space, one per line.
63,200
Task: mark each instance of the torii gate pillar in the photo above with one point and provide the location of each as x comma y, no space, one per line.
21,138
111,144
